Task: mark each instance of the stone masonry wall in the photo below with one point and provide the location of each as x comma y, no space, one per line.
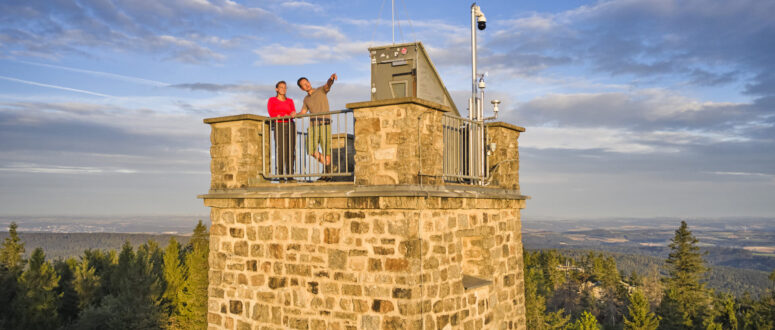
504,161
365,263
389,147
236,150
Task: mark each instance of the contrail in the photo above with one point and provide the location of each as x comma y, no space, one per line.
54,86
100,73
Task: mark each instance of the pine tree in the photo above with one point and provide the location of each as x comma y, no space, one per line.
134,294
173,276
686,301
556,320
552,278
640,315
37,305
12,251
86,284
586,321
11,266
535,304
193,298
68,305
727,308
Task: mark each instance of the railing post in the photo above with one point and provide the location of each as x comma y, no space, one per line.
239,151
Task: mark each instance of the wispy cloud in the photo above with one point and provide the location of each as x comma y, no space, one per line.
43,169
100,74
302,5
237,88
277,54
185,31
33,83
772,176
643,38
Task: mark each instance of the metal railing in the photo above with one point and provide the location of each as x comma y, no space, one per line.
464,158
309,147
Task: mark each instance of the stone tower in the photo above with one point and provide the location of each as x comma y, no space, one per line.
395,246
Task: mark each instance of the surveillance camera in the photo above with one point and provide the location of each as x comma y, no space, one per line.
495,106
482,22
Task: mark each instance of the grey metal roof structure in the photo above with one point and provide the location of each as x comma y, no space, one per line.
406,70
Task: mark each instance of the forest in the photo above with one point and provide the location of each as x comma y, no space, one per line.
146,287
154,287
574,290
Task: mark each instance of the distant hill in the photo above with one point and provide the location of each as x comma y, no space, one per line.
64,245
739,243
736,281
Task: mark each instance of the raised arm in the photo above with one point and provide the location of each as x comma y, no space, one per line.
330,82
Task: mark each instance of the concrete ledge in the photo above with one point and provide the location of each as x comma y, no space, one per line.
351,190
246,116
506,125
403,100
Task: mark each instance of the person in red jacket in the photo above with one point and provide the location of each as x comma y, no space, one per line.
284,129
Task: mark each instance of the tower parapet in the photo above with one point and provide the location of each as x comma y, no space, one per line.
408,241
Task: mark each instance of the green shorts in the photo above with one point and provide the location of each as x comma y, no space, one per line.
319,134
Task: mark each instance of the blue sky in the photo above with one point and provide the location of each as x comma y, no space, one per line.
632,108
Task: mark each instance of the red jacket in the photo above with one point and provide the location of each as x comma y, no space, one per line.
277,108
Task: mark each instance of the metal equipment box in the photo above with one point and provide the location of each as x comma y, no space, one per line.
405,70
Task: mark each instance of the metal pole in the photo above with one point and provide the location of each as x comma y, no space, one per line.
473,63
481,138
393,18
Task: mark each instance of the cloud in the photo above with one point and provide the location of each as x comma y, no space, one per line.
128,145
644,111
301,5
43,169
277,54
33,83
706,43
101,74
210,87
175,30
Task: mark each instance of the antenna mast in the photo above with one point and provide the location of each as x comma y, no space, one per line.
393,18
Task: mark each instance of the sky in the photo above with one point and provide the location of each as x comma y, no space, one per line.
633,108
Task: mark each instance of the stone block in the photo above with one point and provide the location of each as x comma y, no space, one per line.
235,307
265,233
241,248
337,259
299,234
300,270
237,232
412,248
298,323
331,235
394,323
396,265
244,218
277,282
261,313
352,290
370,322
382,306
359,227
354,215
384,251
402,293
